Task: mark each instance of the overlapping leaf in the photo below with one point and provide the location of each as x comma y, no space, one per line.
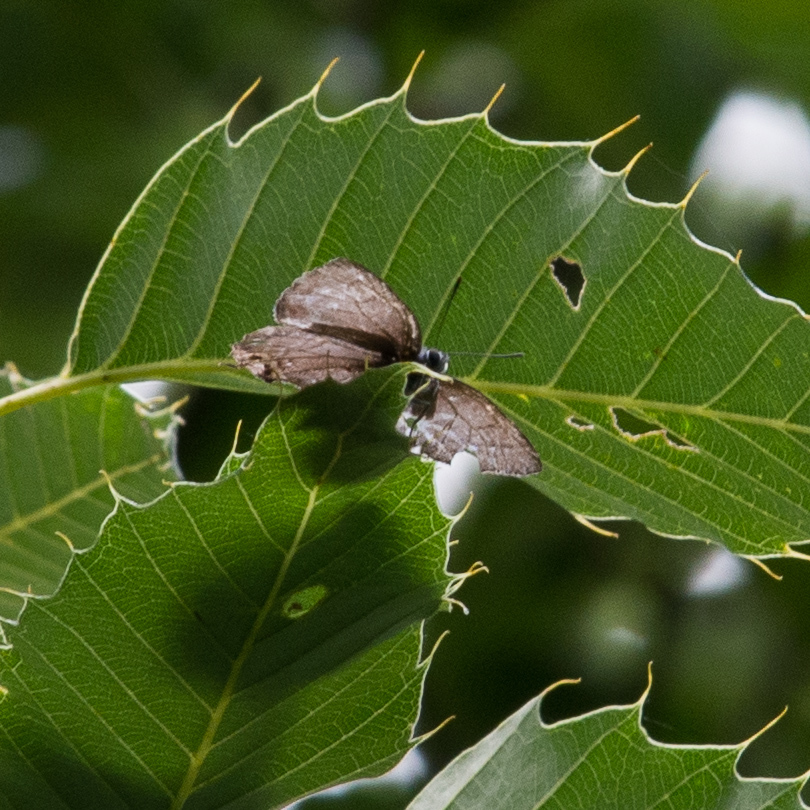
58,460
673,392
602,760
240,643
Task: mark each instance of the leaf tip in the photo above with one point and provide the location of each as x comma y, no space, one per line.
463,510
319,83
588,524
68,543
148,408
608,135
236,434
450,601
761,731
684,202
761,564
459,579
409,78
111,486
16,380
498,92
428,734
429,657
242,98
551,687
792,552
635,159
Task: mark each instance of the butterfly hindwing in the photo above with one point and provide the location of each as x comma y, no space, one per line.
303,358
448,416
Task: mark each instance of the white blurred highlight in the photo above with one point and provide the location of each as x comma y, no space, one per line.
148,391
410,770
454,482
22,156
620,636
717,573
757,152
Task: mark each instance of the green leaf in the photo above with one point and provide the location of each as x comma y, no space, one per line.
239,643
601,760
59,458
668,335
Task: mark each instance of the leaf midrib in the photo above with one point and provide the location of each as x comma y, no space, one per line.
549,392
741,538
217,716
207,743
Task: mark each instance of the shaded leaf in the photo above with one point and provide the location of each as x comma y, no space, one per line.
58,459
238,643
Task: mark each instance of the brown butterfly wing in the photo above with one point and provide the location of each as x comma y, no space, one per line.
297,356
343,300
446,417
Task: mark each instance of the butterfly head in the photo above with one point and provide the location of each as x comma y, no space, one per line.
434,359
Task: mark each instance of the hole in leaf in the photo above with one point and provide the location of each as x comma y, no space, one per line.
635,428
579,424
570,278
303,601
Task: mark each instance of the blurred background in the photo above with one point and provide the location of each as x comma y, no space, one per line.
94,97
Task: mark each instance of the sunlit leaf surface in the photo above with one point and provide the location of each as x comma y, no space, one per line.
59,458
240,643
601,761
666,389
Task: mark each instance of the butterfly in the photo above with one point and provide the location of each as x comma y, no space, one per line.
339,320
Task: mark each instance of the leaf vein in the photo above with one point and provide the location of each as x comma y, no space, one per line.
431,187
139,299
350,176
237,240
754,357
679,331
90,707
536,278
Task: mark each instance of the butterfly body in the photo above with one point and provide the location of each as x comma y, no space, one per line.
339,320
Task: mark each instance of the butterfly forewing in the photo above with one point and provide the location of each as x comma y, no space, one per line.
303,358
344,300
446,417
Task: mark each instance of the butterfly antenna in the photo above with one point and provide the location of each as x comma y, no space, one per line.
486,354
445,310
443,317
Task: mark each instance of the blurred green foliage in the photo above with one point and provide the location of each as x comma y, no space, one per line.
96,96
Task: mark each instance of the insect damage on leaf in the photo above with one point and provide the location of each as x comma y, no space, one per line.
634,428
340,319
569,276
304,601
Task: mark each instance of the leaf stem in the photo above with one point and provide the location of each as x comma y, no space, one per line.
62,385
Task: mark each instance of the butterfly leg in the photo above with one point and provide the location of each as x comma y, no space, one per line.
422,390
